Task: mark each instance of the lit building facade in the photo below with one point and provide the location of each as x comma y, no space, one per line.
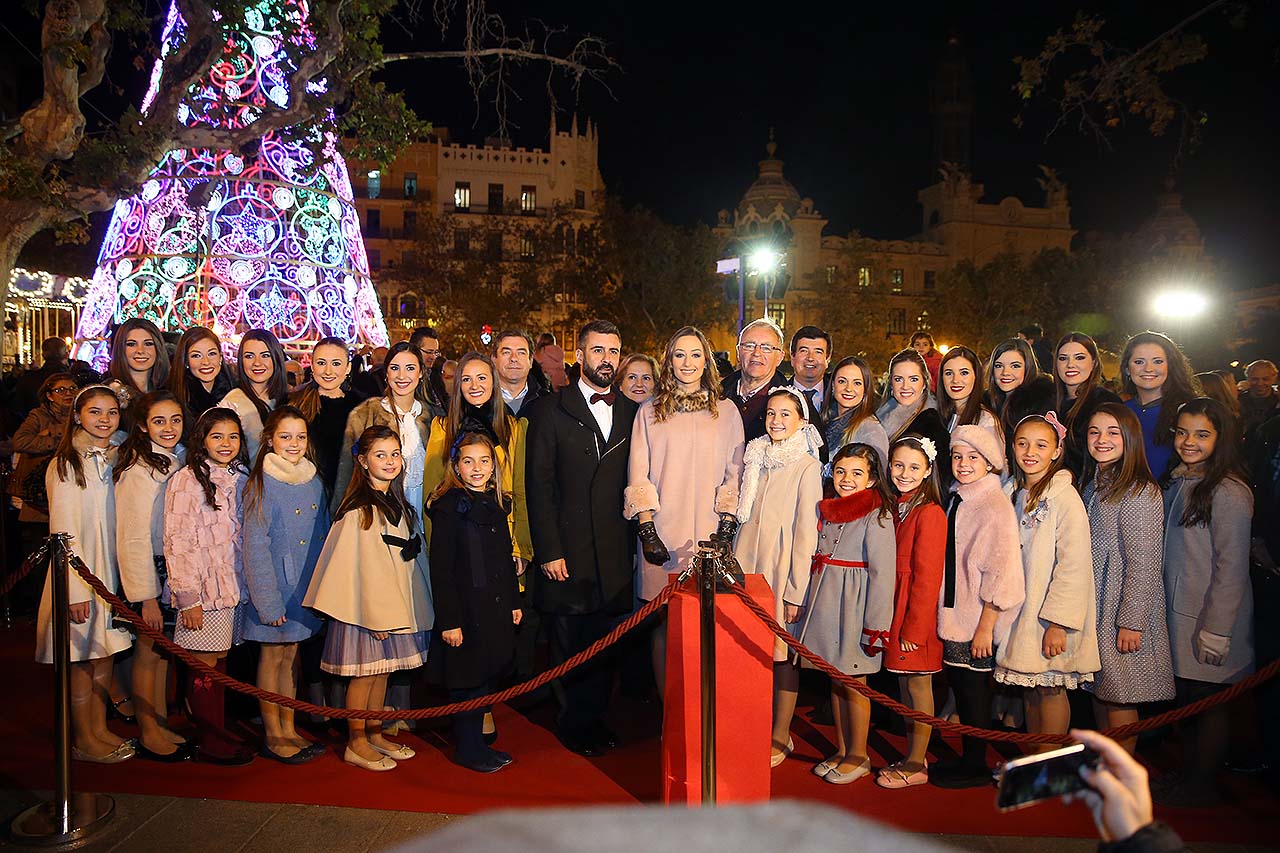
497,201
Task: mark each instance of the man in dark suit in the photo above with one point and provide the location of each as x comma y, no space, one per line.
810,358
584,550
760,351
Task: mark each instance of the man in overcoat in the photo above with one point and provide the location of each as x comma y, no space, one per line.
584,550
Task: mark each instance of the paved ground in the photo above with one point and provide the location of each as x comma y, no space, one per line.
145,823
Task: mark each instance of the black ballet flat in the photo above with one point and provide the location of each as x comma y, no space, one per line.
113,712
484,764
184,752
302,756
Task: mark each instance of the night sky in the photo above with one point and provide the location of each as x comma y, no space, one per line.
846,87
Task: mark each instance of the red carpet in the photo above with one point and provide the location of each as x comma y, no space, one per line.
545,774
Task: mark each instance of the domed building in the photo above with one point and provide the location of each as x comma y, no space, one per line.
1171,234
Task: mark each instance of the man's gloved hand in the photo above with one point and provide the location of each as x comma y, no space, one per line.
655,553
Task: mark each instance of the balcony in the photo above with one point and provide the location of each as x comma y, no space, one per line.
381,233
506,210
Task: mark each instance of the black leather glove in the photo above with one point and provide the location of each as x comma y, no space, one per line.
727,530
651,546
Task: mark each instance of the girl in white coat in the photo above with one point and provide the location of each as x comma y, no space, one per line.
1053,645
82,503
778,508
148,458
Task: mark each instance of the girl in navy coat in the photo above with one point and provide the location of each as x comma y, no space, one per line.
473,581
286,519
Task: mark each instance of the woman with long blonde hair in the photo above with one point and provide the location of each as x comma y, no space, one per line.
685,466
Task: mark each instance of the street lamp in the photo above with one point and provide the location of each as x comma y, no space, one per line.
764,261
760,262
1180,304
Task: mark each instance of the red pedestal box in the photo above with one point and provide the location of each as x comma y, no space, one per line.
744,698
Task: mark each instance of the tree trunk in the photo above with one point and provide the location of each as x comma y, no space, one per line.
19,222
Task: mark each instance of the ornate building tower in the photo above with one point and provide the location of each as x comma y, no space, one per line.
951,106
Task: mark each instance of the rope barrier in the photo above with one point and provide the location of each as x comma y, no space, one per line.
38,556
162,641
1118,733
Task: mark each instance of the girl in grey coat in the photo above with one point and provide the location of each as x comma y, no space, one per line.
1208,510
849,604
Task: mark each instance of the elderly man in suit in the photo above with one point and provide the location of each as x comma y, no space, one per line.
584,550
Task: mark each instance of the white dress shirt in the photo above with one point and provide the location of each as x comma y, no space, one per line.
600,410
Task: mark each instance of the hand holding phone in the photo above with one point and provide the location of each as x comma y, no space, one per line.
1033,778
1117,792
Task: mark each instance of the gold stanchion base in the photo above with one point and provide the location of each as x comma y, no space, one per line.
39,825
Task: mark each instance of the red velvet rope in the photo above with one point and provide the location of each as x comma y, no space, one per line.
1118,733
37,556
158,637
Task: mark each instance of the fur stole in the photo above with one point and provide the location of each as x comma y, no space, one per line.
895,418
698,401
848,508
277,468
763,454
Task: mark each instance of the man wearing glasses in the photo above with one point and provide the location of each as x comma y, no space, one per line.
760,351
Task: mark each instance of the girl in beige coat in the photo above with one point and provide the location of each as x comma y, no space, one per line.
778,508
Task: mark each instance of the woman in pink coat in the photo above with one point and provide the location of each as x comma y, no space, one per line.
686,460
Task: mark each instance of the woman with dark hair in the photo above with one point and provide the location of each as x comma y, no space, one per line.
850,411
403,408
1015,386
1079,392
199,377
139,363
262,385
961,396
326,401
1213,384
685,464
910,409
1156,380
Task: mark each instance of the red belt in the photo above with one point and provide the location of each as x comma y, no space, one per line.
820,560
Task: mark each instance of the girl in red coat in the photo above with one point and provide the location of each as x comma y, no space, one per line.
914,651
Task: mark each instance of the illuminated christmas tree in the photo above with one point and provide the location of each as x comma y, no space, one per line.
239,240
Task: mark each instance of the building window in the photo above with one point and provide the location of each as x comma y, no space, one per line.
410,184
373,222
579,199
526,246
930,280
896,323
462,242
462,196
495,198
831,275
528,200
375,183
864,276
778,313
410,223
375,259
895,280
493,245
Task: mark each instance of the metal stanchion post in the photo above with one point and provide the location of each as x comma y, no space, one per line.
69,820
707,609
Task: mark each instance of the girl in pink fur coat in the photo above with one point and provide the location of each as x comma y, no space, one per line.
982,590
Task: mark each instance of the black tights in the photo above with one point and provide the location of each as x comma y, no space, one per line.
1204,736
468,728
973,704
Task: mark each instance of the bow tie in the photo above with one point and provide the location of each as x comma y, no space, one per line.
409,548
606,398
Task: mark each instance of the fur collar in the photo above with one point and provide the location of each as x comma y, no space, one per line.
1183,471
978,489
277,468
848,508
763,454
83,444
895,418
698,401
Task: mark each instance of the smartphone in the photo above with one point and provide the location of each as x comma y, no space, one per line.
1032,778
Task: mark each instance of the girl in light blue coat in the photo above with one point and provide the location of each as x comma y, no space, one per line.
286,520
